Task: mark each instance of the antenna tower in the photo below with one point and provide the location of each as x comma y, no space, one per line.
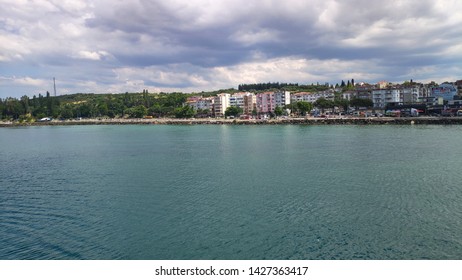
54,85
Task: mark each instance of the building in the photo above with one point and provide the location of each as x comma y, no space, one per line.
250,104
220,103
445,91
382,84
282,98
237,99
267,102
458,84
200,103
400,95
312,97
348,95
382,97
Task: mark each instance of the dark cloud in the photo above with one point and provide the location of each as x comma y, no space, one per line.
217,41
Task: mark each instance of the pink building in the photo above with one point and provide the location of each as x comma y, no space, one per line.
265,102
268,101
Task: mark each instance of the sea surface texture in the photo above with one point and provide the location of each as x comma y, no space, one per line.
231,192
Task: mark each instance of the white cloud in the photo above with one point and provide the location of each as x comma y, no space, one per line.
93,55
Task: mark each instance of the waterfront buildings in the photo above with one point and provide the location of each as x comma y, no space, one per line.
445,91
201,103
250,104
400,95
220,103
312,96
383,95
267,102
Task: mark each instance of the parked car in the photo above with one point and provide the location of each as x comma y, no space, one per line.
447,113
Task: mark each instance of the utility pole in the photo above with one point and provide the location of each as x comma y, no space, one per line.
54,85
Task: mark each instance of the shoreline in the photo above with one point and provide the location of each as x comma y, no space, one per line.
281,121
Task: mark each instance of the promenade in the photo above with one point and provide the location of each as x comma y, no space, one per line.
221,121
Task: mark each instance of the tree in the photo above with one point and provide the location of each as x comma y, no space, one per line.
202,113
233,111
184,112
103,109
138,112
361,102
25,104
323,104
66,112
344,103
278,111
49,104
304,107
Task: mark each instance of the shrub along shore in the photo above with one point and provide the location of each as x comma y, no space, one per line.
281,121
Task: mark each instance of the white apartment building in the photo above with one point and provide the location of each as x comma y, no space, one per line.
201,103
381,97
312,96
221,102
400,95
237,99
282,98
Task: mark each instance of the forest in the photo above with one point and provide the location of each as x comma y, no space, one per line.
132,105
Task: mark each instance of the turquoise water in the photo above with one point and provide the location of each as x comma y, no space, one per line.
231,192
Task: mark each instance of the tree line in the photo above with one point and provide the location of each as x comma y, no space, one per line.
133,105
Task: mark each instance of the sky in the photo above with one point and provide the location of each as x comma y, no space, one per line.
114,46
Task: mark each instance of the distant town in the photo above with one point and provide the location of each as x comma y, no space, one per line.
249,101
383,98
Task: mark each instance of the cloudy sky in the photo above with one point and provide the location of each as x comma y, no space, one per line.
116,46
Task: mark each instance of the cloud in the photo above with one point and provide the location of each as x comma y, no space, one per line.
95,55
204,44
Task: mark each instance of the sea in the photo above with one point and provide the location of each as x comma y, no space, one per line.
231,192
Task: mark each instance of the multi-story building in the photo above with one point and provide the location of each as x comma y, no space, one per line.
382,97
348,95
312,96
458,84
282,98
267,102
237,99
250,104
445,91
220,103
400,95
200,103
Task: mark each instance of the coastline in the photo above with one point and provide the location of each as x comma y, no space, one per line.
222,121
